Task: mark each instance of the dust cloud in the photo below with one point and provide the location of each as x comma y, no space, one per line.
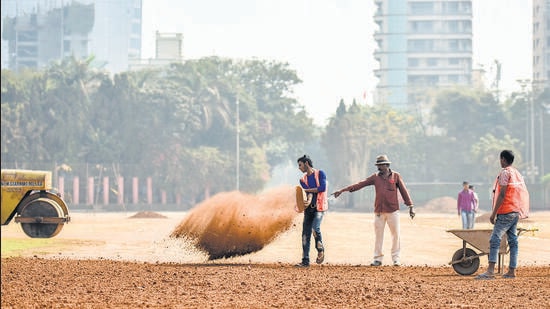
234,223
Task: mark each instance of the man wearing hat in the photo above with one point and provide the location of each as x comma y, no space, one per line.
386,206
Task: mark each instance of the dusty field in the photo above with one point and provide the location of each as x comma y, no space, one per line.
46,283
128,260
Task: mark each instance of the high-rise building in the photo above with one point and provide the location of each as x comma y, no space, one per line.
35,32
116,36
168,49
421,45
34,39
541,44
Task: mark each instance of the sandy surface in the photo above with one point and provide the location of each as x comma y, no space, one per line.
123,260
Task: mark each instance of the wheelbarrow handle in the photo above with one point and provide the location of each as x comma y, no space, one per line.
522,230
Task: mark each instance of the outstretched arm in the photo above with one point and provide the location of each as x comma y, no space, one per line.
360,185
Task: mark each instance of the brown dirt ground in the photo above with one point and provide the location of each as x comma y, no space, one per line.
107,260
48,283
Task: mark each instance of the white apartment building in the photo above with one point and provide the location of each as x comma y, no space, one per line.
421,45
541,44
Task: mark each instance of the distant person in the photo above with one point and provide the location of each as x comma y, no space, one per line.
386,206
465,205
510,203
314,183
476,198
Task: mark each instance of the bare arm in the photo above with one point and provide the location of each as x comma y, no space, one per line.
498,203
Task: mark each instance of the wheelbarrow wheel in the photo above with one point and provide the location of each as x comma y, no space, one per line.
467,266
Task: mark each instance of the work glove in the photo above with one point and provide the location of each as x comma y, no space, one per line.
411,211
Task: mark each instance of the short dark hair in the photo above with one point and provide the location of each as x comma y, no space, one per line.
507,155
305,159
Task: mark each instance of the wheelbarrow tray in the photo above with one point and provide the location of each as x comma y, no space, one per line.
479,239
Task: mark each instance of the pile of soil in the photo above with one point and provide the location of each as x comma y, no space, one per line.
146,214
483,218
445,204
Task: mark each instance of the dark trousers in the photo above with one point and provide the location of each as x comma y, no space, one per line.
311,225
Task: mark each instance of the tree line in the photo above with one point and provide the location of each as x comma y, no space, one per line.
179,124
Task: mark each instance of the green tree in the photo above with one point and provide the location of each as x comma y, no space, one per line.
487,151
355,136
463,116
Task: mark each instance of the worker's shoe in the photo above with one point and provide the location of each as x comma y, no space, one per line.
485,276
396,263
376,263
302,265
320,257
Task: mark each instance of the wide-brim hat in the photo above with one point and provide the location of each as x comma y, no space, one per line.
382,159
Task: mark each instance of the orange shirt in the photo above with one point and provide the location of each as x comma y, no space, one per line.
516,197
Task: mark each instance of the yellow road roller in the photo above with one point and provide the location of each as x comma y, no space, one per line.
29,199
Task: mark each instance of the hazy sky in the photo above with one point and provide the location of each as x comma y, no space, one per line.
328,42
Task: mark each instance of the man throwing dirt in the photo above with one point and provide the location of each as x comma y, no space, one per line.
313,182
386,206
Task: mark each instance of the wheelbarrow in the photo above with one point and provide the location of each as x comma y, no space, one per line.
465,261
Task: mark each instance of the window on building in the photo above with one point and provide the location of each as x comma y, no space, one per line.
27,36
466,6
27,51
414,80
452,26
413,62
453,45
421,26
421,8
450,7
66,45
136,28
432,79
454,61
378,9
135,43
466,45
467,63
466,26
431,62
420,45
452,78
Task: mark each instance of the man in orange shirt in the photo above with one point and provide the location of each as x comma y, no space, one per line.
510,203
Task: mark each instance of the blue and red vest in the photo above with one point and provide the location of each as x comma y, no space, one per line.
322,200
